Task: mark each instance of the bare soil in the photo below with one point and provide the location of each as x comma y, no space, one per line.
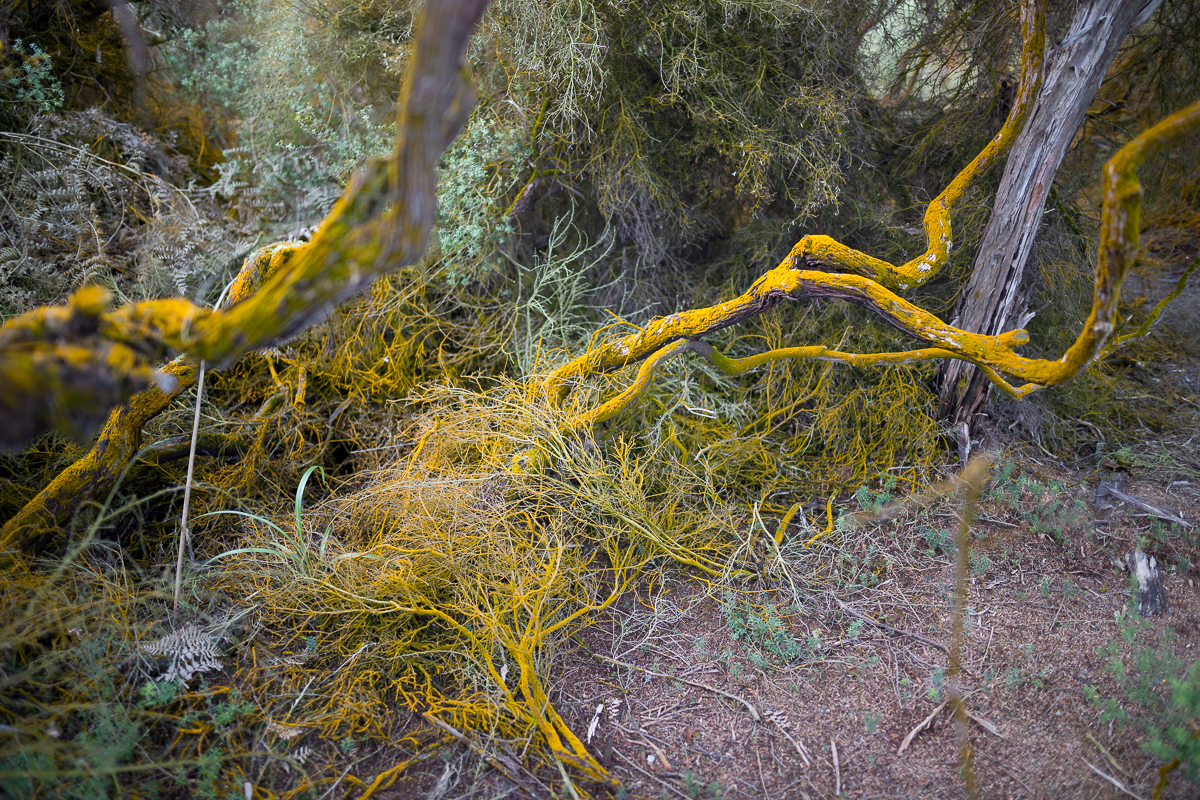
1040,613
670,694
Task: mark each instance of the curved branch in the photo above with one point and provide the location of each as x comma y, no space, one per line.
738,366
381,223
826,253
1119,244
95,473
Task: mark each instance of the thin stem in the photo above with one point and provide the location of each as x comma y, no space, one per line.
187,486
974,476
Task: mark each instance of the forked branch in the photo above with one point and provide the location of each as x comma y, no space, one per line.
794,279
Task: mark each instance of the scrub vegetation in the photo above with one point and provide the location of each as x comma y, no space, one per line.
457,332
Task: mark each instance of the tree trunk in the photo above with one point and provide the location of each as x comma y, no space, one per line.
1076,68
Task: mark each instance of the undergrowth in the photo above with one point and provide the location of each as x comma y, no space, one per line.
635,162
1159,696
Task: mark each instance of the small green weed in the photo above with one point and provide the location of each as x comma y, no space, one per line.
764,634
874,502
1163,688
696,788
1003,487
35,85
938,540
937,682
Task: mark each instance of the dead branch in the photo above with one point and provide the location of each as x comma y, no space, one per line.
995,355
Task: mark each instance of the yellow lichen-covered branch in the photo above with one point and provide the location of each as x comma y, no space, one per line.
118,443
381,223
827,253
64,368
66,365
792,279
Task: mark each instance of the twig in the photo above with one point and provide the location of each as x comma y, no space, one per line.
649,775
1107,755
511,770
1056,613
974,475
987,726
889,628
749,706
1153,510
922,725
796,743
837,769
761,778
187,486
1120,786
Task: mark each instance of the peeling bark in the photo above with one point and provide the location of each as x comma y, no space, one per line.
1076,68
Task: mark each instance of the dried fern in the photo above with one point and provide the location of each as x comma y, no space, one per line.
190,651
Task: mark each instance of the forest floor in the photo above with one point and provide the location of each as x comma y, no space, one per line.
667,679
1044,612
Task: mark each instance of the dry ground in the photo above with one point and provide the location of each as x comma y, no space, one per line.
1043,604
1040,609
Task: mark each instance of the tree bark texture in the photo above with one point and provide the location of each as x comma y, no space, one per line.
1076,68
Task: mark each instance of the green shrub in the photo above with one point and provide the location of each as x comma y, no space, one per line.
1163,690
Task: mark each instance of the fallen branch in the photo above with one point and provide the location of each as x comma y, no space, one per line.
925,723
922,725
1116,783
890,629
749,706
1157,511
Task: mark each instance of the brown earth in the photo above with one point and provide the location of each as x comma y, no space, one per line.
1040,612
1045,598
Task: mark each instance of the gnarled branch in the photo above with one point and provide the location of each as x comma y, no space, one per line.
60,366
995,355
381,223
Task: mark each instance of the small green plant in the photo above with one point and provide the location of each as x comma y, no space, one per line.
937,681
1044,586
735,616
696,788
159,693
871,721
1164,691
1003,486
874,502
35,85
938,540
764,634
471,221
